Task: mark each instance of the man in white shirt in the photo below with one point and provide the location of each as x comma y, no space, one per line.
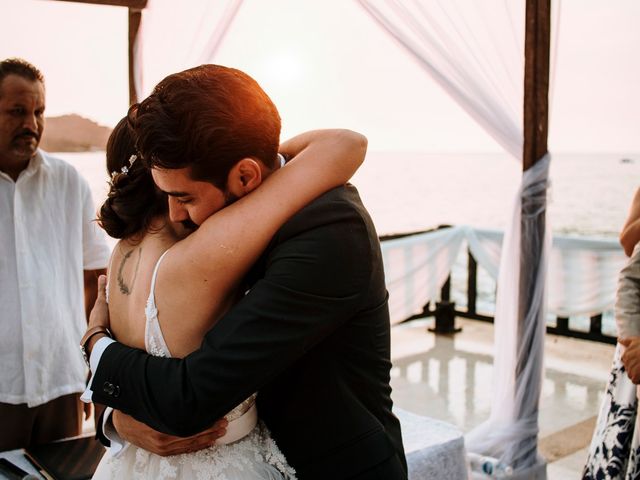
51,251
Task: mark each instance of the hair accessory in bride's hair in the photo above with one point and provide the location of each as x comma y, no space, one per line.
125,169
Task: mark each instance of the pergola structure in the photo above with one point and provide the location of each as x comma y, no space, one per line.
536,85
135,14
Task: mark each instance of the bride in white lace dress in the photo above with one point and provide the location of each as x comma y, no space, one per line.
158,273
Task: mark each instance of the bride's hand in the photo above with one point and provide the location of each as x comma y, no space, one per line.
160,443
99,316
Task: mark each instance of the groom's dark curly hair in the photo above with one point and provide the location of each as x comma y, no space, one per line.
207,118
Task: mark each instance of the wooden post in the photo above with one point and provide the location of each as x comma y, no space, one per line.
135,15
536,88
472,283
536,81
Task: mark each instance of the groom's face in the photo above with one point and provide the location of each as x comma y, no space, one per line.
190,201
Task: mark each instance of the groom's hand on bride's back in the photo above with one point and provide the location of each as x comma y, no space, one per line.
162,444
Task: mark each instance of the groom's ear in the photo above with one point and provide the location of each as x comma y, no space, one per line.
244,177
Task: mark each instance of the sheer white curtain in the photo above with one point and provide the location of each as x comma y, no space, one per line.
582,272
416,267
475,52
174,36
510,433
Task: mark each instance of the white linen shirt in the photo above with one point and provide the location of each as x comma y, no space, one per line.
48,236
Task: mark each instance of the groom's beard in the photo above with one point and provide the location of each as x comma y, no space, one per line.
229,198
189,225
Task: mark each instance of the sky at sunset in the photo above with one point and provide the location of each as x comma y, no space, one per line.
327,64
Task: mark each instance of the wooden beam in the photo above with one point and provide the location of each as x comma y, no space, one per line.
134,25
536,84
135,4
536,81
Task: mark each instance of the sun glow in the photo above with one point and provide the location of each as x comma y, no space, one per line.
282,69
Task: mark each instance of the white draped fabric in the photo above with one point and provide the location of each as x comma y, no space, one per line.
417,266
581,277
434,449
475,52
510,433
174,36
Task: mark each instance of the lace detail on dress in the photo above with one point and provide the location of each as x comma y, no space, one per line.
254,457
153,339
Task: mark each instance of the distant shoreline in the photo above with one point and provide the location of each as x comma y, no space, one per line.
74,134
63,152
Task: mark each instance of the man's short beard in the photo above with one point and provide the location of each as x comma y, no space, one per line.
230,198
189,225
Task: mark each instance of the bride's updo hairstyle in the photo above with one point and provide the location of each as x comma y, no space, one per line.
133,200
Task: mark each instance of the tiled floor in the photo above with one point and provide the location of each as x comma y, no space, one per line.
450,378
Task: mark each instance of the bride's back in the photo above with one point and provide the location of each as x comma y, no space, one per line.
187,307
130,273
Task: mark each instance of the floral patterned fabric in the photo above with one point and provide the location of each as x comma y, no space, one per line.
615,447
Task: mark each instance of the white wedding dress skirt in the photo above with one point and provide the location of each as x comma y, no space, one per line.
254,457
245,452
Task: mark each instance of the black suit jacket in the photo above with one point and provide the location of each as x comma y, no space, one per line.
312,336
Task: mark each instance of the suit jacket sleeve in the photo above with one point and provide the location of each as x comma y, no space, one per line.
317,269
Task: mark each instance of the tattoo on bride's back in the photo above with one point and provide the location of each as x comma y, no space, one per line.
127,286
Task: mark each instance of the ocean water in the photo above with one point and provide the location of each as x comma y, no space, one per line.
590,196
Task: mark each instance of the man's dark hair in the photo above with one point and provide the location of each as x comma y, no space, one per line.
20,67
207,118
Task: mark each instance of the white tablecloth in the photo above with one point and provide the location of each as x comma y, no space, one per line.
434,449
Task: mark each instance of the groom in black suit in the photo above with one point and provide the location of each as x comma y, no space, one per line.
311,335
